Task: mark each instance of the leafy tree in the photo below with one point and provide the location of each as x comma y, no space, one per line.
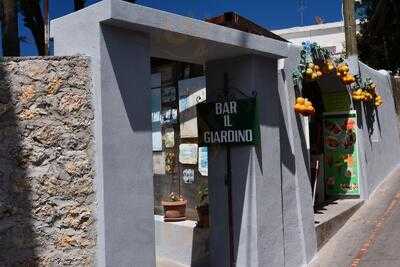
379,38
79,4
9,28
33,20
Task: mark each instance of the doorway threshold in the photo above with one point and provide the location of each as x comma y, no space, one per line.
331,216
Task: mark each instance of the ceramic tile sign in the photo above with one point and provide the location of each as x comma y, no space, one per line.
188,153
341,154
169,137
233,122
168,94
191,92
155,112
188,176
169,116
203,160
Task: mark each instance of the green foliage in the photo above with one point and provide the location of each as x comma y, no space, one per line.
33,20
174,197
311,53
379,38
202,194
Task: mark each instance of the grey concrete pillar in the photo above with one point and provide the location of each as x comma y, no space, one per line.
127,148
256,171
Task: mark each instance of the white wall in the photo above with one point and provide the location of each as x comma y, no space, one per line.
328,35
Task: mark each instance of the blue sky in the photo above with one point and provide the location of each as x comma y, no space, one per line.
268,13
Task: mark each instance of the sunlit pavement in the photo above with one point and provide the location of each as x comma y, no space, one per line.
372,236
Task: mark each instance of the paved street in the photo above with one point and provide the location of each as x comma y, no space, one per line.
385,250
371,237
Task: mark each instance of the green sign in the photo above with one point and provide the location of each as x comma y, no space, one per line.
337,101
229,122
341,154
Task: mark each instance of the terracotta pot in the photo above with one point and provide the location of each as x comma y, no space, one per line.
203,215
174,211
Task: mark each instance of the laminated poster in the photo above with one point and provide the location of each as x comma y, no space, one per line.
169,137
188,153
203,160
341,154
188,176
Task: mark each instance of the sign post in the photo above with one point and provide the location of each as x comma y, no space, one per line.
229,122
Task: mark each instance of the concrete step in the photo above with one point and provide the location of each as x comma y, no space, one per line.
332,216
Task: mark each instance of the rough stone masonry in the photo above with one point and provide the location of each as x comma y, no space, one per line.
47,199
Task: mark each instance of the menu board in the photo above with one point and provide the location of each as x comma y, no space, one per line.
341,154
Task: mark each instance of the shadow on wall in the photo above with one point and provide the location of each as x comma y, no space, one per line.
200,248
17,237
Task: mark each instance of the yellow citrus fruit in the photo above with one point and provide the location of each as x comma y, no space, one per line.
297,107
300,100
314,76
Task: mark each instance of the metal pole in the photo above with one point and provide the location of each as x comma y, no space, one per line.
228,182
46,27
230,206
350,27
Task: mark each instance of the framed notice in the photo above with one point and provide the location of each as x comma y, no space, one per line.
188,153
341,154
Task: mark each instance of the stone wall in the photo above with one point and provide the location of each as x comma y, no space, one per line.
47,199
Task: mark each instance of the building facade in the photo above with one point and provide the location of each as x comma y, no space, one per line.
328,35
271,218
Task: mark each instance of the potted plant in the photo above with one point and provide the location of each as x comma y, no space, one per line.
202,207
174,208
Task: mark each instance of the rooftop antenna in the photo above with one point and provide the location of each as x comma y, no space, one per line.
302,6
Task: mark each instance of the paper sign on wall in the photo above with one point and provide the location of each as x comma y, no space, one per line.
191,92
169,137
188,153
203,160
159,163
